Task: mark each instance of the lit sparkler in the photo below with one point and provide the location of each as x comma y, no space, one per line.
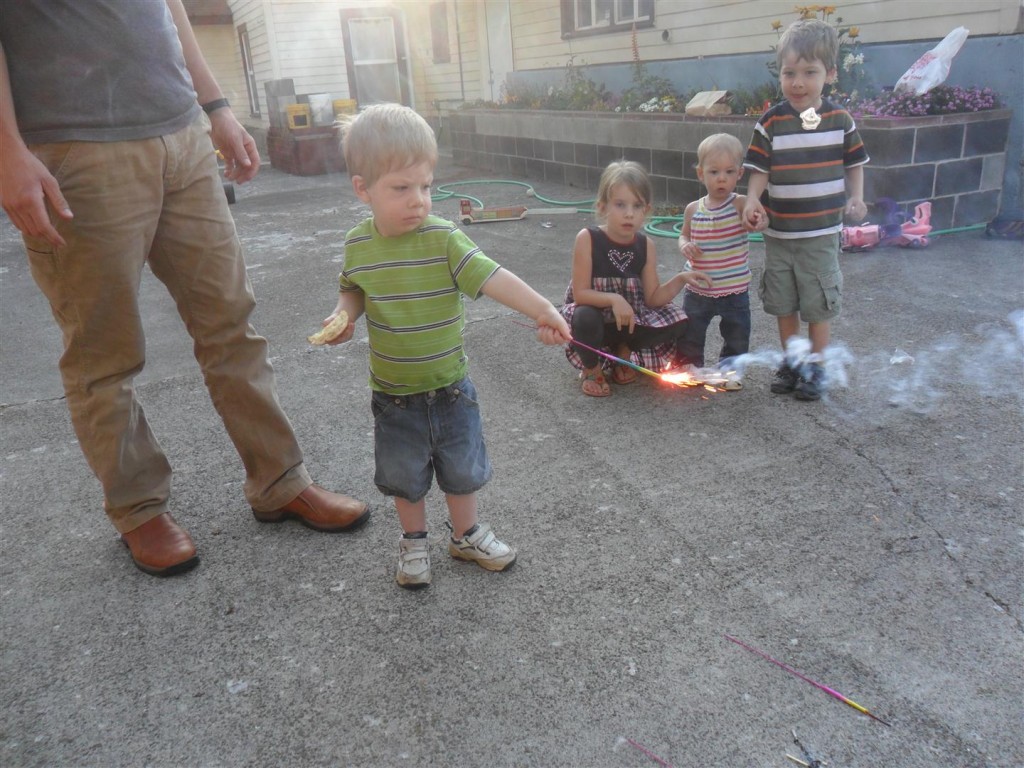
711,381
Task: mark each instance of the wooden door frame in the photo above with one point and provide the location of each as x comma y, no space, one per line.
401,48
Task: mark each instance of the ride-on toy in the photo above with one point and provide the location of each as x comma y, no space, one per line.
895,229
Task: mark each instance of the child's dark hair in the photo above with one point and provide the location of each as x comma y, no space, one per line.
810,40
627,172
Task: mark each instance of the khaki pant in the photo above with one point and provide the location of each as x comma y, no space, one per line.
158,200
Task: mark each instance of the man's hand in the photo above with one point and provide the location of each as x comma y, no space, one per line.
237,147
26,186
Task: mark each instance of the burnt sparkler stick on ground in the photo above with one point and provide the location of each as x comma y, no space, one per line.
648,752
825,688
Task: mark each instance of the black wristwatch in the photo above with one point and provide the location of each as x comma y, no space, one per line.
209,106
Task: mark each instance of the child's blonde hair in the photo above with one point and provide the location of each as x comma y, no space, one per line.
385,138
720,143
810,40
627,172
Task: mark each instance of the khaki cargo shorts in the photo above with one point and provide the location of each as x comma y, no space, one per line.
802,275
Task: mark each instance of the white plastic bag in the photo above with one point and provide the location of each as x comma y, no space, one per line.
932,68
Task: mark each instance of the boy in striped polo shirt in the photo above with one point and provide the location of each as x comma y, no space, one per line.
407,271
806,151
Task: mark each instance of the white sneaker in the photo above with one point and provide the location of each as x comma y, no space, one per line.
413,563
483,548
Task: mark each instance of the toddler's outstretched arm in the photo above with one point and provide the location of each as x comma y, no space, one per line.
505,287
674,286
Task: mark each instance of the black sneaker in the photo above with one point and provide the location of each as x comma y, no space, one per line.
811,384
785,380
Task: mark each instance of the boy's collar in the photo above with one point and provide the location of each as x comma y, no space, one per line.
823,106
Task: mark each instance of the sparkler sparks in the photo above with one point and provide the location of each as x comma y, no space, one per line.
710,380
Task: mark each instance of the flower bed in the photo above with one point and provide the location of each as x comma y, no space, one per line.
956,161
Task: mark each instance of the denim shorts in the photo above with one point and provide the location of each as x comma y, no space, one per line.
802,275
436,432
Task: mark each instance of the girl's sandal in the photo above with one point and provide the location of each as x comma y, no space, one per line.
595,384
623,374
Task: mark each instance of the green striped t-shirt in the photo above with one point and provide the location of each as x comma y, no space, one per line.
413,287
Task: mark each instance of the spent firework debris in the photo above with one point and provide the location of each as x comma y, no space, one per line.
806,679
648,752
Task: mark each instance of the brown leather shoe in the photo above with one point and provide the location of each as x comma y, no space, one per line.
321,510
161,547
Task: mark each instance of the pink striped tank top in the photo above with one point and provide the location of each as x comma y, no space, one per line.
719,233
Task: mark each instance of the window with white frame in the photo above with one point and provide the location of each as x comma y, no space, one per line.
588,17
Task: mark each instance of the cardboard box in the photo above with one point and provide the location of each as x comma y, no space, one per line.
709,104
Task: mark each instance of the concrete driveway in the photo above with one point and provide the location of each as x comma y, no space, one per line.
872,541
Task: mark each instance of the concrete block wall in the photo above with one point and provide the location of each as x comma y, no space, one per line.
573,148
955,161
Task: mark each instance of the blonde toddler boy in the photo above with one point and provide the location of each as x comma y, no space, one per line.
407,271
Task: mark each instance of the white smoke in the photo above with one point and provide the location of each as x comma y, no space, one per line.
916,379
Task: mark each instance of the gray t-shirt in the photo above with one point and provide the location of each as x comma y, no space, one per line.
95,70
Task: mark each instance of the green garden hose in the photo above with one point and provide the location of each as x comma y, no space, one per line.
653,227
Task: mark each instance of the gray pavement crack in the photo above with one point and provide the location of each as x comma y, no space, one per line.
943,540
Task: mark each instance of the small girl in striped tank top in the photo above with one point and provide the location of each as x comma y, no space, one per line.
714,240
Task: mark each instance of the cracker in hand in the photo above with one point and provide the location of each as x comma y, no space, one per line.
330,331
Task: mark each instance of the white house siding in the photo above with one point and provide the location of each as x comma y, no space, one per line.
717,27
439,86
537,33
310,48
302,40
219,44
250,13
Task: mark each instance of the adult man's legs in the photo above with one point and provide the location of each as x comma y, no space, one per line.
196,254
92,285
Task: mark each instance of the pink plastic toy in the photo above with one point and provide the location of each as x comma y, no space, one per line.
895,231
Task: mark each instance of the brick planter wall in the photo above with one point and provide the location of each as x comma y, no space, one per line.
955,161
